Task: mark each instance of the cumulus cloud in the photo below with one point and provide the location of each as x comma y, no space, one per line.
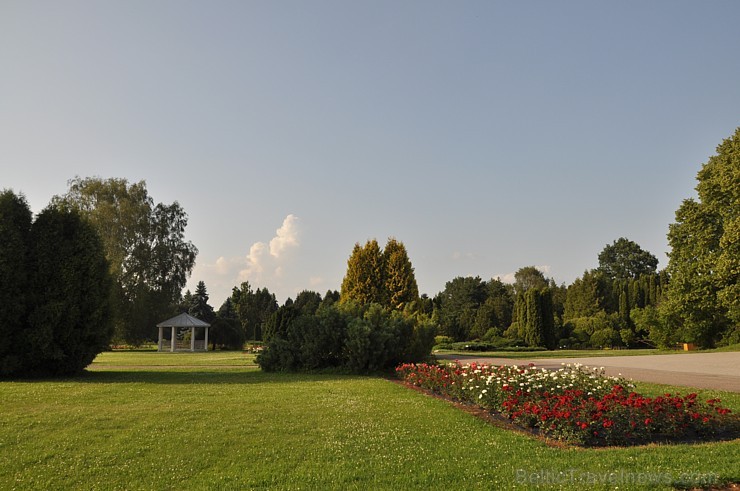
266,264
286,237
268,260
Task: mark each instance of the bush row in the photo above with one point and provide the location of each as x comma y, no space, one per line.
350,337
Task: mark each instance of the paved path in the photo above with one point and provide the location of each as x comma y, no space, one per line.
703,370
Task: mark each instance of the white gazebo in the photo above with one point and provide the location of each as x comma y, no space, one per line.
183,321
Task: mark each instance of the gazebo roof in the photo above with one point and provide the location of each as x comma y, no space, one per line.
183,320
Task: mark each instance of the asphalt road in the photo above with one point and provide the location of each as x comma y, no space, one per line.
702,370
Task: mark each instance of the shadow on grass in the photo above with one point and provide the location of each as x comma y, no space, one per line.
203,377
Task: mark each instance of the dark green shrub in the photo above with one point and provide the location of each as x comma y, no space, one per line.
15,230
70,321
350,337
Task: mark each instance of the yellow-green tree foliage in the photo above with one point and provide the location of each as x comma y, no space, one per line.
400,281
385,277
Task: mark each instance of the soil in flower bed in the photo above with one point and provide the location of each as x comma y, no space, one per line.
729,432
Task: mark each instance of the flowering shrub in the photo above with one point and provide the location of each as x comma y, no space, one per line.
576,404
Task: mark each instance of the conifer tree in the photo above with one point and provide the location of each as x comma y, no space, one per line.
364,281
400,281
15,230
199,306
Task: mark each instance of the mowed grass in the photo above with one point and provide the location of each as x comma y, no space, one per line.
196,427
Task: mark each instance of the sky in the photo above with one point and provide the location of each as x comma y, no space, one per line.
485,135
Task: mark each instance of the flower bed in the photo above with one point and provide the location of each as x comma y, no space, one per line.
575,404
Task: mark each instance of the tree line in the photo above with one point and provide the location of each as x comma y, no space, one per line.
57,286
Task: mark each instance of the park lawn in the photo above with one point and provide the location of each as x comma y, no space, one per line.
210,428
149,359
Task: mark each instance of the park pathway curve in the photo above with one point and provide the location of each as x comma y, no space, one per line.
719,371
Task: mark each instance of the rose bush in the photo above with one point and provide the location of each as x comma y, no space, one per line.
576,404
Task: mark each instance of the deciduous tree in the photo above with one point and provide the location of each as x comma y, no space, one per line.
625,259
145,246
703,296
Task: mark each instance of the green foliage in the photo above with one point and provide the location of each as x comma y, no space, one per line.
625,259
527,278
70,321
199,307
457,306
254,309
400,281
703,298
385,277
351,337
226,331
307,302
535,317
605,338
15,230
364,281
144,244
648,319
55,290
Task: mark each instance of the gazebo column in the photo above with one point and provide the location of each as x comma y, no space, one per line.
159,342
174,338
192,339
206,338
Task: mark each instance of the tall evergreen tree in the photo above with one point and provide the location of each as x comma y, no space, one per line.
199,306
400,282
70,321
536,319
365,279
15,230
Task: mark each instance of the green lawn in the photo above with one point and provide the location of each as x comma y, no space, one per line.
204,427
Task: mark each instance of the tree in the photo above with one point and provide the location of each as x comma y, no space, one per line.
400,282
457,306
529,277
385,277
307,302
254,309
15,230
703,295
199,306
144,244
226,331
69,322
496,311
364,281
535,317
625,259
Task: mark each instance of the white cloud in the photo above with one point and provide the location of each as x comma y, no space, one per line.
261,258
286,236
266,264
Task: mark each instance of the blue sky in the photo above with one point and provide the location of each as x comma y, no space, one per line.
486,136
